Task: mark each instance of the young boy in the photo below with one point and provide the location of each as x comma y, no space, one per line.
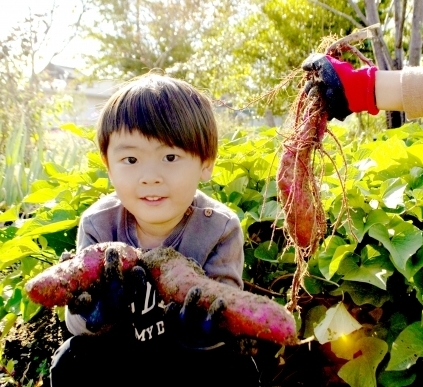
158,139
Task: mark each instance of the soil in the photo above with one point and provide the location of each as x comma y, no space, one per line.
31,345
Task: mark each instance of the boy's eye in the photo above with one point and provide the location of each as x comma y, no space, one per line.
130,160
170,158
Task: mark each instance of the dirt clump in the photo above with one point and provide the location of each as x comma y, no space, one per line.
31,345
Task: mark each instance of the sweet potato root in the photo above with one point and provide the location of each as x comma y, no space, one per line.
246,314
298,191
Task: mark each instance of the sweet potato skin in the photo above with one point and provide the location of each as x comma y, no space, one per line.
246,314
298,191
58,284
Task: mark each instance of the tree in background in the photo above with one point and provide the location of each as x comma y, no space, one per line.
135,36
240,49
24,101
248,57
281,33
26,52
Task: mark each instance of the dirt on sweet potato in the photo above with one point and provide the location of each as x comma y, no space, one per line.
246,314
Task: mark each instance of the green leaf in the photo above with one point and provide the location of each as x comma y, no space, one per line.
310,284
417,284
267,251
16,249
53,169
375,267
396,378
11,214
13,304
361,222
226,172
357,218
60,311
402,240
10,366
332,256
270,210
29,309
61,217
337,322
380,149
263,168
270,190
238,186
43,195
346,346
392,192
7,323
407,348
251,195
372,275
238,211
313,317
361,371
362,293
376,217
79,131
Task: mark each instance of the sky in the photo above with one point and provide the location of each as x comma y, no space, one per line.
14,12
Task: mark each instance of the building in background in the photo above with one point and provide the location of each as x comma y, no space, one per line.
81,100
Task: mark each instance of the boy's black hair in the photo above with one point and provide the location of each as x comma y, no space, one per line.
162,108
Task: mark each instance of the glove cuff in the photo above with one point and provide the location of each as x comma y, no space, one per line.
359,85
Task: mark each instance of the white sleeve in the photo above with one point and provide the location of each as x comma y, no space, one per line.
76,324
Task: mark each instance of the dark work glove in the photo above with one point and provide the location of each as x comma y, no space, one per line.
343,89
193,326
107,302
199,329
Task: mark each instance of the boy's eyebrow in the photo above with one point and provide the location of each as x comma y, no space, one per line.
125,147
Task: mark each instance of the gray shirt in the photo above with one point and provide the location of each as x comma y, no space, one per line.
210,233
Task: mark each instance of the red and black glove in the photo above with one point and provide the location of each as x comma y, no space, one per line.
344,89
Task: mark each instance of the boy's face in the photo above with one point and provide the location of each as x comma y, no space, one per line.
155,182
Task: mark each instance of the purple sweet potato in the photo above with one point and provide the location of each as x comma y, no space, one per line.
246,314
58,284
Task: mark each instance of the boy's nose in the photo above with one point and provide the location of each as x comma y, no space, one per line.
150,177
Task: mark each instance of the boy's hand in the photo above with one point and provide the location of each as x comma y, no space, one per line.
344,89
195,327
107,303
199,329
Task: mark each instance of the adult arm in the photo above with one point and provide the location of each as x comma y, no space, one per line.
400,91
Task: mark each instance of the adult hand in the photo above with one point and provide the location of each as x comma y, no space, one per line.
344,89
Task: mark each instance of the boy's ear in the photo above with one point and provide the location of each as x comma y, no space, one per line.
207,170
104,160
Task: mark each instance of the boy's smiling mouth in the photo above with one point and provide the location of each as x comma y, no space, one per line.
153,199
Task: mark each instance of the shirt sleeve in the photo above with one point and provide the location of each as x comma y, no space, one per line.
412,91
75,322
226,261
